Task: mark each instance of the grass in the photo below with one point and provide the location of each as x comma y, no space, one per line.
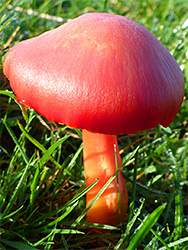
42,184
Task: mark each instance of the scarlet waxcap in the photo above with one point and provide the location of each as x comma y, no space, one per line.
100,72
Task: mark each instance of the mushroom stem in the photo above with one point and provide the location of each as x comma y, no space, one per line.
100,163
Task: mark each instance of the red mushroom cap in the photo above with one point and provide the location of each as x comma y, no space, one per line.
100,72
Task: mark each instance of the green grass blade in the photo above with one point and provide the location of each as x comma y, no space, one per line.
145,227
160,239
11,214
51,149
7,93
33,186
133,193
16,142
153,242
16,191
17,245
178,208
119,208
176,243
65,243
68,211
73,160
43,240
64,231
79,195
40,146
31,139
45,157
128,228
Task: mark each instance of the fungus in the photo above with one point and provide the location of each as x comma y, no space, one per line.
104,74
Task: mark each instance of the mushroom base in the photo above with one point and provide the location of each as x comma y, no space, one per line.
100,163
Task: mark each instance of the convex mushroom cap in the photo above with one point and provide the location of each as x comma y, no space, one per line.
100,72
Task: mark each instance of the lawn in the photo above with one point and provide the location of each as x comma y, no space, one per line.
42,198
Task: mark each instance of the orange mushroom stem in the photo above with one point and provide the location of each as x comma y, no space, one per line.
100,163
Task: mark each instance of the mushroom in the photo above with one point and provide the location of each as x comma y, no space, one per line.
104,74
